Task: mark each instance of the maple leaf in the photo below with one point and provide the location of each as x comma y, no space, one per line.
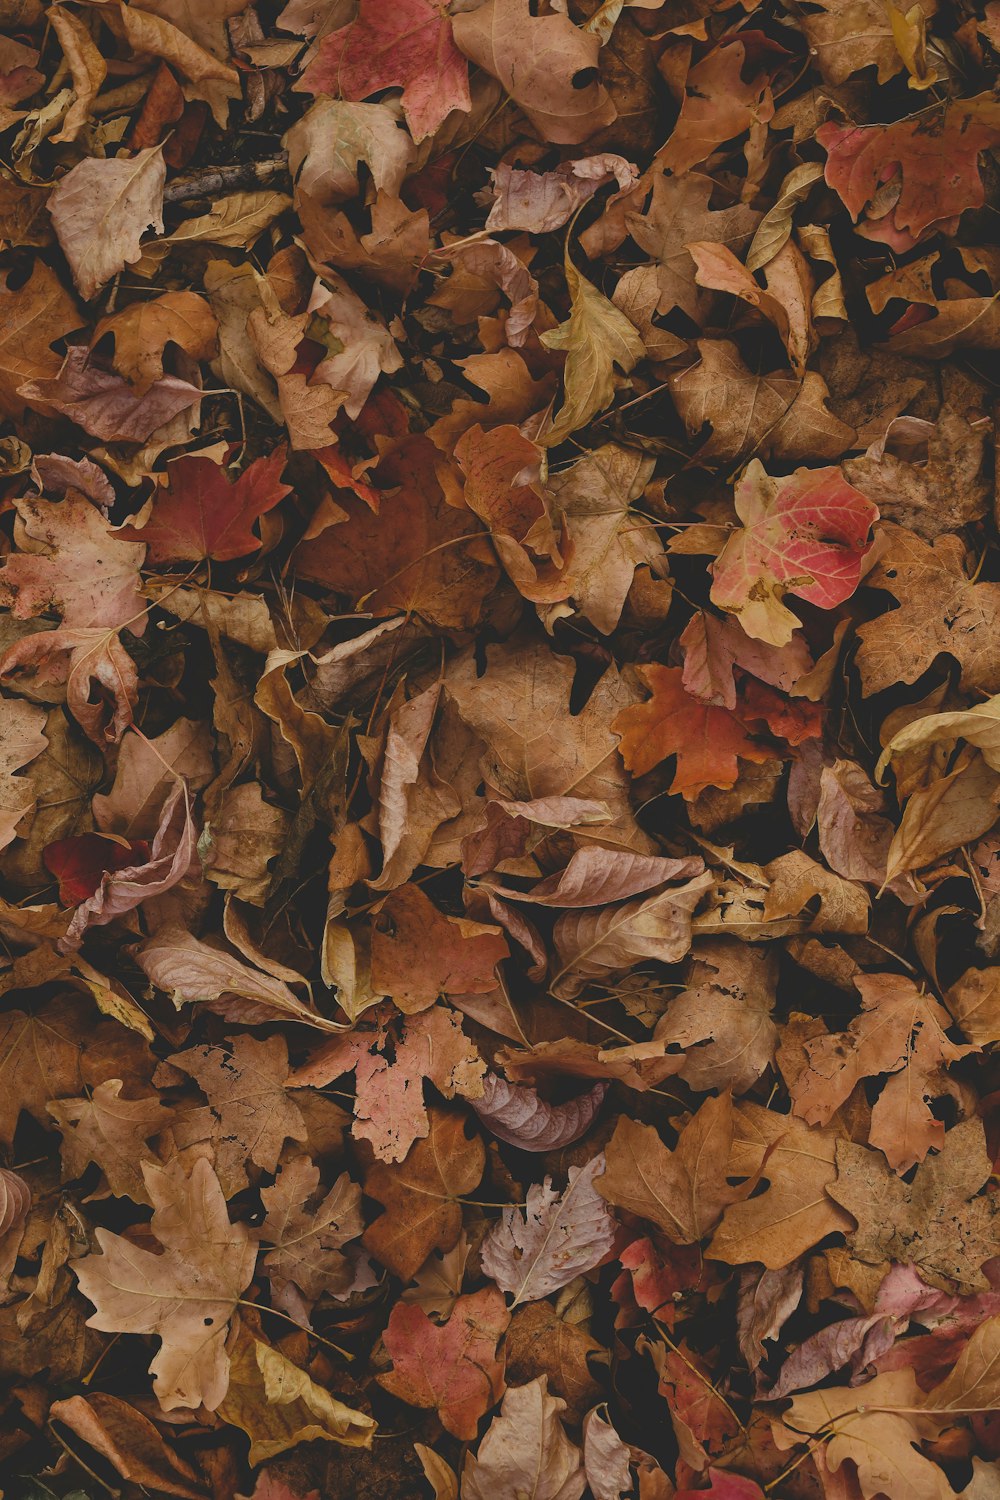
32,319
557,1237
940,609
775,415
251,1111
100,210
937,156
795,1211
22,742
682,1191
941,1222
723,1022
846,39
307,1240
203,514
142,331
419,1194
717,104
389,1110
900,1032
526,1450
410,556
419,954
452,1367
101,588
806,535
326,147
410,47
53,1053
538,60
707,741
186,1295
106,1129
876,1428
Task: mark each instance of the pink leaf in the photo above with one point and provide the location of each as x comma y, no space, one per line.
805,535
514,1113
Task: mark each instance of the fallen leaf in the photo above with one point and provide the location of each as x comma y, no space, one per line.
452,1367
557,1237
100,211
187,1294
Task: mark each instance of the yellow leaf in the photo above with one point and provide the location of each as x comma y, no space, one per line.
596,337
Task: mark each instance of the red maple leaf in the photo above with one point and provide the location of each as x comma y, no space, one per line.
406,45
203,514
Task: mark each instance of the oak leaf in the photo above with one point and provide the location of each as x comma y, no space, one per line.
187,1294
723,1022
452,1367
774,415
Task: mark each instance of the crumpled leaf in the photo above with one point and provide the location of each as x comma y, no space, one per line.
517,1114
596,338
